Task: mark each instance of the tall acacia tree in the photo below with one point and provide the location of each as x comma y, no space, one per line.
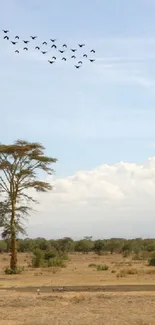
19,164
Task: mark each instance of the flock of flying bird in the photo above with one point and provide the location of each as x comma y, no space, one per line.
54,47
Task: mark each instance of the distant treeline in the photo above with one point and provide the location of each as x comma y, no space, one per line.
85,245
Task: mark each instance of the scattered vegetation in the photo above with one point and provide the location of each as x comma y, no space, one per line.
18,270
102,267
152,261
54,253
48,258
99,267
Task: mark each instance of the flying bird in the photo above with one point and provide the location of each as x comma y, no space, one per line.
53,40
92,51
91,60
64,45
25,49
54,57
64,59
61,51
85,55
77,66
53,46
37,48
6,37
43,52
26,42
33,37
80,62
5,31
17,37
51,62
73,50
14,43
44,43
81,45
16,51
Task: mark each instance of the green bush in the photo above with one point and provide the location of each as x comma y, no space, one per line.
18,270
152,261
49,258
102,267
56,262
63,256
38,260
50,254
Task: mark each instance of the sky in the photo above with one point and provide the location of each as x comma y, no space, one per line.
98,120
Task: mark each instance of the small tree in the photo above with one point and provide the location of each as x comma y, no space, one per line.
19,163
99,246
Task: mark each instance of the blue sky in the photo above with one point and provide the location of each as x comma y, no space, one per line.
102,113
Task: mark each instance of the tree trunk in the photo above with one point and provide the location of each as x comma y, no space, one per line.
13,260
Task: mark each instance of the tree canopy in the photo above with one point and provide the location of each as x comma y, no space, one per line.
19,166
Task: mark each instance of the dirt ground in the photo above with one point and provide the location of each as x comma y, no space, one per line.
77,308
78,272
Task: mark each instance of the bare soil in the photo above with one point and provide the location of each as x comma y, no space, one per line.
79,294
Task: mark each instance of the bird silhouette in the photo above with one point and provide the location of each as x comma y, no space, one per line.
14,43
77,66
43,52
85,55
80,62
64,45
91,60
61,51
37,48
54,57
33,37
44,43
73,57
64,59
81,45
26,42
51,62
92,51
53,40
6,37
5,31
25,49
17,37
53,46
73,50
16,51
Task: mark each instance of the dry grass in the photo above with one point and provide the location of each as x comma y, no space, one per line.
121,271
77,309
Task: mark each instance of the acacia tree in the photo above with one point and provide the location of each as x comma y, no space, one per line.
19,164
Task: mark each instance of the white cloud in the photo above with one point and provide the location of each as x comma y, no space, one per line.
110,200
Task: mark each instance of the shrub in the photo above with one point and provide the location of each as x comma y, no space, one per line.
102,267
56,262
63,256
49,258
50,254
18,270
92,265
38,258
152,261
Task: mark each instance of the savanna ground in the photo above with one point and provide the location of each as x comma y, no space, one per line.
29,308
